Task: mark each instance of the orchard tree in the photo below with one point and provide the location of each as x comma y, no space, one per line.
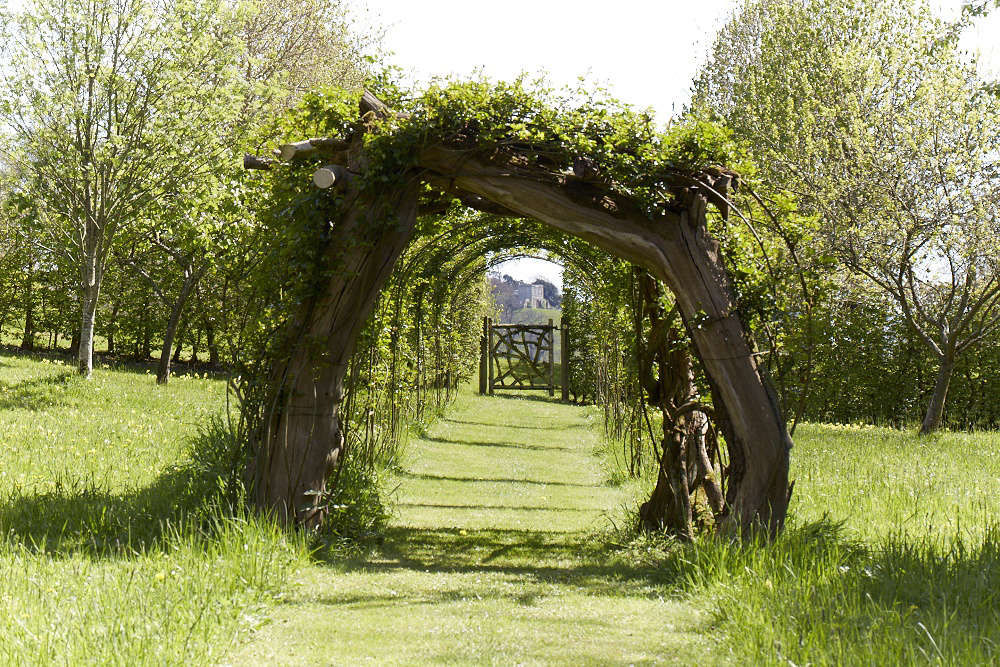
883,130
111,105
287,48
13,252
296,46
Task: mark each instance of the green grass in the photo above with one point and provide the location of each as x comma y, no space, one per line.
911,576
12,335
108,554
500,551
501,554
882,481
490,561
891,556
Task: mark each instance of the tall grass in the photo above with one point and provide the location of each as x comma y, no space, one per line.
183,599
118,544
891,556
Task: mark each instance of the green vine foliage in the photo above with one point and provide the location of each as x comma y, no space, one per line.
549,127
423,337
601,303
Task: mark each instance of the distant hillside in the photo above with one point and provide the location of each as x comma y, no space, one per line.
534,316
512,295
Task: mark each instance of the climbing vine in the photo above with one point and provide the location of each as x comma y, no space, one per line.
327,391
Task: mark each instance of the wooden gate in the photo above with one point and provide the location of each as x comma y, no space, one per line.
521,356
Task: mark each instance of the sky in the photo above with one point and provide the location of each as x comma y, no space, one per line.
645,51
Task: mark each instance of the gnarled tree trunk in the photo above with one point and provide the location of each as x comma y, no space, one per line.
935,409
676,248
302,442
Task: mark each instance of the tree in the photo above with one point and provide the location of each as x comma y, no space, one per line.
9,250
287,48
869,114
112,105
292,47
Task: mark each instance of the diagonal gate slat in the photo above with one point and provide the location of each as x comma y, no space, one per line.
518,353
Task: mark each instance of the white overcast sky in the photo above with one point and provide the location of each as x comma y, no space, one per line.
645,51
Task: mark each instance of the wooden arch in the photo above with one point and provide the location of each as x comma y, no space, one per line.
298,441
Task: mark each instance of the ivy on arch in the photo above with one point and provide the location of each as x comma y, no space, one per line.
377,178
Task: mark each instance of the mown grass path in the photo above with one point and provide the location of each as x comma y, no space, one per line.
489,560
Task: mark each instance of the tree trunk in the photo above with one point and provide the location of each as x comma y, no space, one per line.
28,339
91,278
676,248
113,325
669,507
299,439
182,331
146,342
191,278
301,442
706,474
213,348
935,409
85,353
670,386
195,344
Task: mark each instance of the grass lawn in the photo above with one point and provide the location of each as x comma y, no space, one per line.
490,561
891,556
500,551
501,554
105,555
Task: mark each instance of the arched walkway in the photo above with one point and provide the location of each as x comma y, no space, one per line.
492,559
370,216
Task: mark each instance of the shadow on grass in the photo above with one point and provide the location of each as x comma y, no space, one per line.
526,395
485,443
530,508
84,517
489,480
119,362
821,591
37,393
529,556
448,420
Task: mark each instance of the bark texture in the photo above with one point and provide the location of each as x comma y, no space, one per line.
302,440
191,278
85,351
28,340
677,249
935,408
666,377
